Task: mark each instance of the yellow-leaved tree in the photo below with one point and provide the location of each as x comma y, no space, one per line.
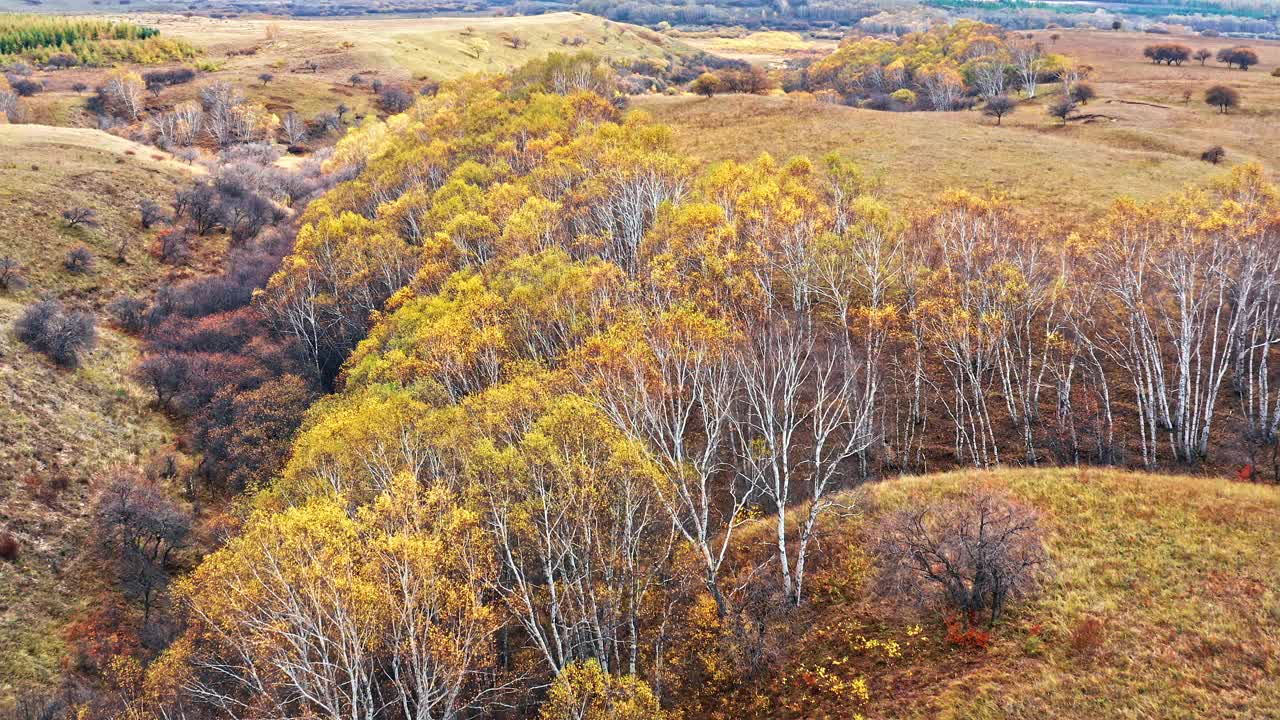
316,610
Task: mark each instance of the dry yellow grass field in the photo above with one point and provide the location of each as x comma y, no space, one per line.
50,169
390,49
767,47
1057,172
1047,170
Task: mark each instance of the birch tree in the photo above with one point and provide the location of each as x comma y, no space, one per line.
1167,268
579,536
668,383
1028,59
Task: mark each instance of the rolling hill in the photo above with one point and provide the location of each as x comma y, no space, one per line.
1161,602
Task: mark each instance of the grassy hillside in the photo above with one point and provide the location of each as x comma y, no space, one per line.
1055,172
394,49
769,47
63,430
1163,603
51,169
1146,141
1122,77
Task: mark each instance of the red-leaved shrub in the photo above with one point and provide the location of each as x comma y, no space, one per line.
8,547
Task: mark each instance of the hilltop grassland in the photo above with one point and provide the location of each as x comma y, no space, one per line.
395,50
770,47
918,155
1130,149
312,63
1171,122
1161,602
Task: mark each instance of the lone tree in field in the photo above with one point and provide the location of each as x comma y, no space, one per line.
706,85
1242,56
970,555
356,79
1082,93
266,78
80,217
11,274
1222,97
1203,54
999,106
1062,108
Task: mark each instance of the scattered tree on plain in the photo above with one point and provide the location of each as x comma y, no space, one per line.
1244,57
1062,108
1222,97
1082,93
706,85
1214,155
1167,53
79,260
80,217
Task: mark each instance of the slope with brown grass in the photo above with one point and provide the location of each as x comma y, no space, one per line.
1045,170
65,430
1061,173
47,170
1162,601
393,50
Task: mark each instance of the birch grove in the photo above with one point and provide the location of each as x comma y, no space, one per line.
584,394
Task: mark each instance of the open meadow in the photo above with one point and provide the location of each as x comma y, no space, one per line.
1144,140
315,65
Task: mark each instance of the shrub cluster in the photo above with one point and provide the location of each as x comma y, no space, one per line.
971,555
212,357
61,334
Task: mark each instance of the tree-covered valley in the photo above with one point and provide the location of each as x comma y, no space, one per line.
513,376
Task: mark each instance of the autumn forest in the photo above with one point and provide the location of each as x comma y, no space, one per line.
496,401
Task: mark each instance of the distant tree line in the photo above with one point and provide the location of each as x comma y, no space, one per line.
947,67
59,42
